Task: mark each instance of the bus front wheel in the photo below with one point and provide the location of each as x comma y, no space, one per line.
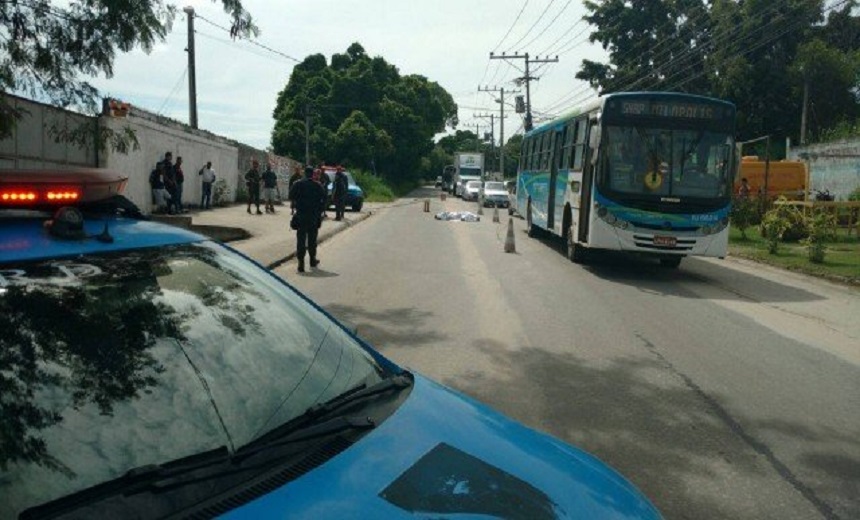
532,229
575,252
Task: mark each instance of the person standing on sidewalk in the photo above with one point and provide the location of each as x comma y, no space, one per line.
208,177
294,178
308,197
179,176
270,186
169,175
252,182
341,186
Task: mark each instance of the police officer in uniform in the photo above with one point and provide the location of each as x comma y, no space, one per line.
309,198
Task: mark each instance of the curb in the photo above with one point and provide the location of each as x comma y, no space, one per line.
322,238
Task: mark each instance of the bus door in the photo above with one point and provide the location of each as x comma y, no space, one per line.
592,137
557,142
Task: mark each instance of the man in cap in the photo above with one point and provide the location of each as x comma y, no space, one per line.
308,196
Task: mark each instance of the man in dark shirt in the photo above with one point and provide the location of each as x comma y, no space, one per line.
270,187
341,187
252,182
169,176
308,196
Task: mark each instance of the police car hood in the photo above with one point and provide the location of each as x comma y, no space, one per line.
442,455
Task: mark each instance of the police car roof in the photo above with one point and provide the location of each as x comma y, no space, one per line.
29,198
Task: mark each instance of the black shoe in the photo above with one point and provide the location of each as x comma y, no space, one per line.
259,212
301,266
314,262
249,210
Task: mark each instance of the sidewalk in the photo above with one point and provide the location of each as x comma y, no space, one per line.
271,241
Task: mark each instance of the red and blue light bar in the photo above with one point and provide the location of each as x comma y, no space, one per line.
40,188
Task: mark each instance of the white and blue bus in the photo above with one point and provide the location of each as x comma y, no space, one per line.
646,172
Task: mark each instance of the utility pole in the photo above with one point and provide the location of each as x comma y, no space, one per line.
307,135
527,78
192,76
492,130
803,112
501,102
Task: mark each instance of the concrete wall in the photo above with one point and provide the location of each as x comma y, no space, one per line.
832,166
31,145
155,139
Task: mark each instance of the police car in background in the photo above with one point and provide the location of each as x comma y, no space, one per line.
149,372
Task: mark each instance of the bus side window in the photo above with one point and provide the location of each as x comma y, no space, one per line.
579,147
569,131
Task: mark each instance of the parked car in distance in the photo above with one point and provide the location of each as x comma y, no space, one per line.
471,190
354,195
495,194
438,181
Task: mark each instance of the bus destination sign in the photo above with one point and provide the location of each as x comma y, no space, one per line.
677,110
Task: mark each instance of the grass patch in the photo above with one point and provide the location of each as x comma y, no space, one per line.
375,189
841,261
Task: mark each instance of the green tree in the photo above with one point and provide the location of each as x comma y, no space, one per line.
48,46
362,110
758,54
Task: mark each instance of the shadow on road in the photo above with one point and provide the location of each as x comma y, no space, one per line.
673,444
646,273
391,328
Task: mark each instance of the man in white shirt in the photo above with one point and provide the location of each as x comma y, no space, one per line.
208,175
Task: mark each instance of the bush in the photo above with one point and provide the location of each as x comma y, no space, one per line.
219,193
744,214
793,219
821,229
777,222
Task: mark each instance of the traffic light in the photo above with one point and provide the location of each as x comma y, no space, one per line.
520,105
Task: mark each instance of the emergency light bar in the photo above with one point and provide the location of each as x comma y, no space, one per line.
41,188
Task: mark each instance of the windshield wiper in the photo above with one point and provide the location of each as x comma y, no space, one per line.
306,424
130,482
361,391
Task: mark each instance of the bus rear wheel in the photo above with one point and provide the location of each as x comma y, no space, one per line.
670,262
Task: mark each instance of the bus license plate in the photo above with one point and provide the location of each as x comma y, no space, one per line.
664,241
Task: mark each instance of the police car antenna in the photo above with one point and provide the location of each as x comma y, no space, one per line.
105,236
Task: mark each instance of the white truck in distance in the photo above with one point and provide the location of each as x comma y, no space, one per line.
468,166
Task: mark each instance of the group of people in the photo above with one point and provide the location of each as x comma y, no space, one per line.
266,181
167,181
309,200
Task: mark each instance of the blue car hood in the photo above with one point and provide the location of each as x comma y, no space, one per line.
443,455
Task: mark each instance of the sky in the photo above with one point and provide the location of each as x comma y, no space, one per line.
447,41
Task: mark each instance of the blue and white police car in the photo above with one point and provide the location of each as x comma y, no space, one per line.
149,372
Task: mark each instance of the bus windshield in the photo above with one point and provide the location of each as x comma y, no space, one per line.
643,161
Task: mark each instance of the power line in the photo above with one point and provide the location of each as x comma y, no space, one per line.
550,24
173,91
252,42
514,46
510,28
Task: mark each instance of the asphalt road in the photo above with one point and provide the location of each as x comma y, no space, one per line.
721,389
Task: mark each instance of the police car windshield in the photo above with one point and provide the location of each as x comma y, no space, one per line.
111,362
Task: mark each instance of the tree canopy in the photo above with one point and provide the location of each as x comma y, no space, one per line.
760,55
361,113
48,46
